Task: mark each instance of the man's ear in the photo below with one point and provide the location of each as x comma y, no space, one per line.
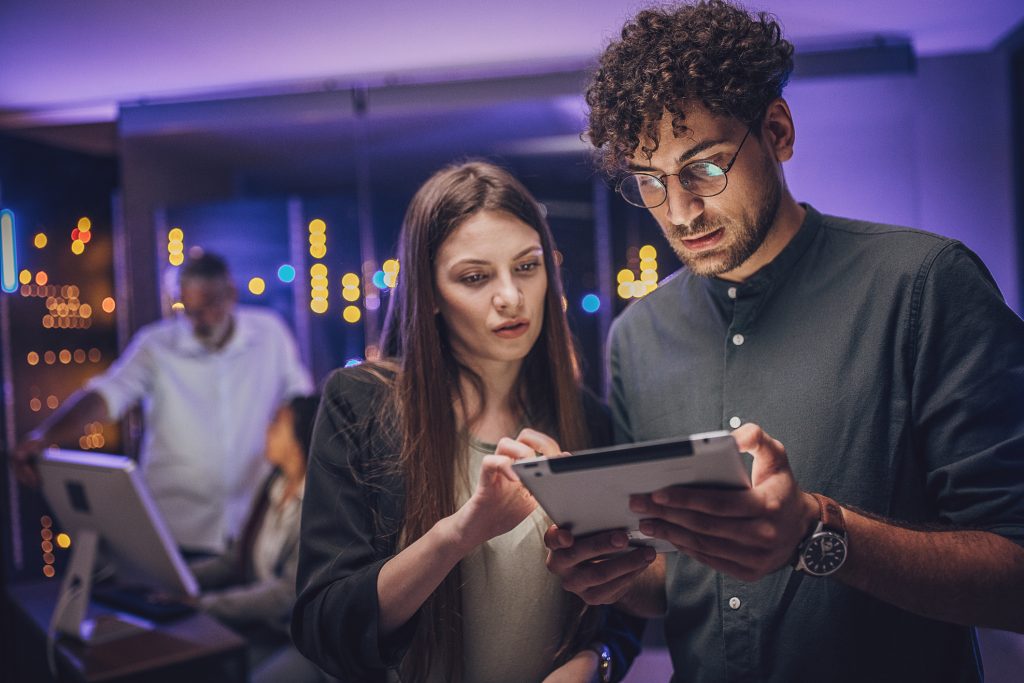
778,131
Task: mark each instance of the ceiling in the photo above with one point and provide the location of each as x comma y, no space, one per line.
71,62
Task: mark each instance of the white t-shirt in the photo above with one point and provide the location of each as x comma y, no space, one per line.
206,414
513,608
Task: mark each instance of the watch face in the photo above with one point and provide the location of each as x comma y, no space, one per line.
824,553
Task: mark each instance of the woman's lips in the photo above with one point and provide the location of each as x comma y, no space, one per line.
513,330
705,241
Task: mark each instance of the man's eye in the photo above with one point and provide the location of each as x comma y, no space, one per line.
702,170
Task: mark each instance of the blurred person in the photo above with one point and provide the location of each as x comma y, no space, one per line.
422,556
251,587
887,517
209,383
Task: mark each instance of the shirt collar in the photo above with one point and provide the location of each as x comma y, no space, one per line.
782,264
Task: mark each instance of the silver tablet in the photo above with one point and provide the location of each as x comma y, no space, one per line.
589,491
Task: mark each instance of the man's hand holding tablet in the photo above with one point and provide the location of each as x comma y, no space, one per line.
745,533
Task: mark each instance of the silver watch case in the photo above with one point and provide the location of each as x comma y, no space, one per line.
823,552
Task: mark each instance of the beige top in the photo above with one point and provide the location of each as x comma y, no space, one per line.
512,605
277,530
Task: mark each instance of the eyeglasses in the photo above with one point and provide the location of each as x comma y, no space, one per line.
701,178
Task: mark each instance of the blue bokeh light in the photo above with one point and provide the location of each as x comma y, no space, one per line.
8,252
353,361
591,303
286,273
378,280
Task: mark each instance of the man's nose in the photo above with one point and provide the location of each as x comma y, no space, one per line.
682,206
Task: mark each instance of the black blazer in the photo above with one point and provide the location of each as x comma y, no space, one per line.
351,512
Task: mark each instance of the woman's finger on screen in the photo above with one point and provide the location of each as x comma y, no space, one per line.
516,450
541,443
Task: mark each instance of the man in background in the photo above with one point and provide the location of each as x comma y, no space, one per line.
209,383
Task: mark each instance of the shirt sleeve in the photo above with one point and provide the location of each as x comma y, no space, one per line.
623,635
130,378
616,389
268,602
968,395
294,375
336,616
217,571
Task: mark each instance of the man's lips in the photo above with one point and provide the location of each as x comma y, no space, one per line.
513,328
705,241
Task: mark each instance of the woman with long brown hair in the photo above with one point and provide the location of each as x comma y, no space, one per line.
422,556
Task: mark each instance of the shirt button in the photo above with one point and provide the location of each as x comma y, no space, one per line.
734,602
732,292
735,422
737,339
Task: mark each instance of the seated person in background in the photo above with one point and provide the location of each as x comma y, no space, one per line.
251,587
422,555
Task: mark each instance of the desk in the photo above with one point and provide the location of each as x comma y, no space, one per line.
196,647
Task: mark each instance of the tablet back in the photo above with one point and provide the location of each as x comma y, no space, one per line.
589,491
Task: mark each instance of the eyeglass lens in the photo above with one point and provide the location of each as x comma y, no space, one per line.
702,178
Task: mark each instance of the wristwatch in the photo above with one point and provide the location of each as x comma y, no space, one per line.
604,661
824,551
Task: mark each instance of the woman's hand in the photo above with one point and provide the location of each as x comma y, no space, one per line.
580,669
500,502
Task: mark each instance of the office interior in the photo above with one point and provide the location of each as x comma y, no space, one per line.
291,142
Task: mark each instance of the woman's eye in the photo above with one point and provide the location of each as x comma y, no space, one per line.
527,267
473,278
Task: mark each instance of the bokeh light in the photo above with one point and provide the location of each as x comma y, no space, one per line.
352,314
286,273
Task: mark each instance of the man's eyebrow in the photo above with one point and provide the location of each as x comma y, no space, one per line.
684,157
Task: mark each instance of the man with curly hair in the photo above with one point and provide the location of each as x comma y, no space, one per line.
884,358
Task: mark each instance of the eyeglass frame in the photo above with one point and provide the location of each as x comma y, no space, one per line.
664,176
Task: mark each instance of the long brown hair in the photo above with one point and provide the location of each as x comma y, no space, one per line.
427,384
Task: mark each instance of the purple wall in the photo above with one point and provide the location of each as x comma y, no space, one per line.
930,150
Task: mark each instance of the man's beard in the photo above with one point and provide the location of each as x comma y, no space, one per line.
748,234
215,336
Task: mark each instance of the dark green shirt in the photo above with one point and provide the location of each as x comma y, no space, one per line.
886,361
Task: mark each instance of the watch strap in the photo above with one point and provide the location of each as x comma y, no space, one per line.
604,661
830,514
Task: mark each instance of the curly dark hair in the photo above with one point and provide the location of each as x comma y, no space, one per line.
712,52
